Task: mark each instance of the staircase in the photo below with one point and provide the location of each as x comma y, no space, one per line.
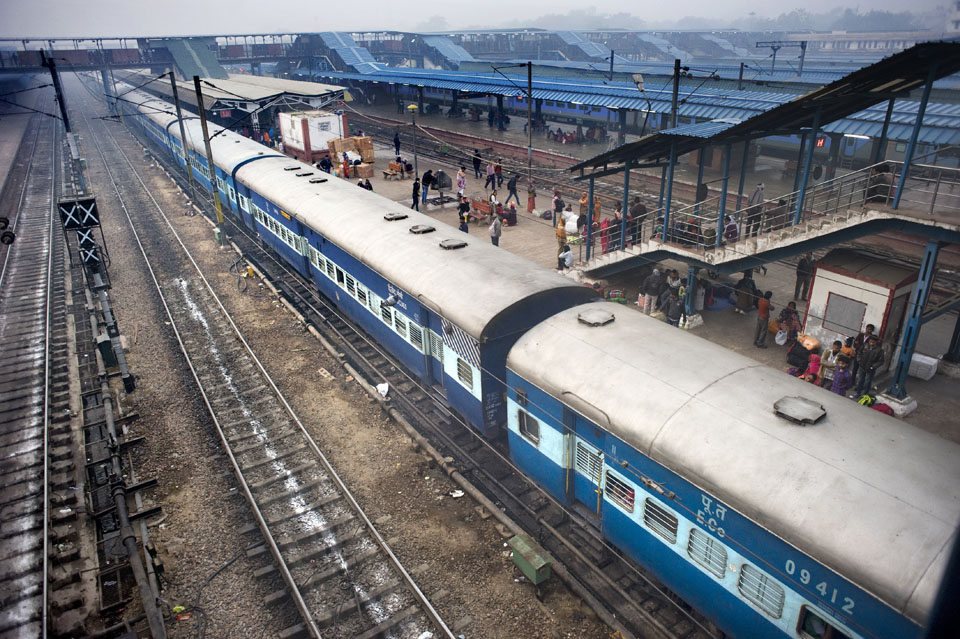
192,56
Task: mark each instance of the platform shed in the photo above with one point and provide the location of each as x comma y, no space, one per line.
306,133
851,289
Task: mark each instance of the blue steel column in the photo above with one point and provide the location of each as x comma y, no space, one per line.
666,206
696,207
953,352
626,201
723,192
916,132
806,165
743,172
589,219
880,151
663,184
914,312
688,297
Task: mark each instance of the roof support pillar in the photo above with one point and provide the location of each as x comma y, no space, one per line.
880,150
622,132
953,352
589,218
663,184
624,202
743,172
912,145
500,113
666,207
807,164
918,298
688,293
420,99
700,154
725,170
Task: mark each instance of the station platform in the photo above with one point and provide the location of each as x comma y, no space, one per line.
534,238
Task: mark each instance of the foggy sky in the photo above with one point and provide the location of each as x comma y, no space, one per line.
87,18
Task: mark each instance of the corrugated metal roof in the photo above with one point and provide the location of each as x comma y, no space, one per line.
702,129
899,132
449,49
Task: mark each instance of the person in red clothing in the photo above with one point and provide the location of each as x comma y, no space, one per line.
763,320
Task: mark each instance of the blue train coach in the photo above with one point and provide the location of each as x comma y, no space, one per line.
674,446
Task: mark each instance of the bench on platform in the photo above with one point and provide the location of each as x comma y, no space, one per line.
479,210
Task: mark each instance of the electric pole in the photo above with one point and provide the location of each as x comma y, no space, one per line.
213,168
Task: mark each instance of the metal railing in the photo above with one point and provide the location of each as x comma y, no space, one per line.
929,189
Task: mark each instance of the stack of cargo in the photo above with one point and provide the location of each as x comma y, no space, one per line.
359,146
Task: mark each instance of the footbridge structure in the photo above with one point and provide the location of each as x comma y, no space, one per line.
724,234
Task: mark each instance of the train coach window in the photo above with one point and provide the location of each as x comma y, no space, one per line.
660,520
416,336
620,492
386,314
814,626
436,346
761,590
708,552
465,373
340,277
232,193
351,286
529,427
400,324
362,296
243,203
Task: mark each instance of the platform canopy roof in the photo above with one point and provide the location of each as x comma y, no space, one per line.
241,91
891,77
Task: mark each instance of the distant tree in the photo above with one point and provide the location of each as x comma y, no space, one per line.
875,21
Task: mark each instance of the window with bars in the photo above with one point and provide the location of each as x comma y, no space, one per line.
529,427
243,203
351,286
220,184
330,268
362,296
620,492
416,336
436,346
465,373
589,461
400,324
708,552
385,314
660,520
233,194
759,588
813,626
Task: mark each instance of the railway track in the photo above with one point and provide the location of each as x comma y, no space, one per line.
641,606
337,569
34,395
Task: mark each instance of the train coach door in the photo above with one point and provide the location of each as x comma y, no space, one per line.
586,459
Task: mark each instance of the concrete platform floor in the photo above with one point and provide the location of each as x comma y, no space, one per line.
533,238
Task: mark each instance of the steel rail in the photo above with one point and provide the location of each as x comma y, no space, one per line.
355,506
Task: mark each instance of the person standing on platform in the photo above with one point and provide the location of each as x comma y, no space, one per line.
583,202
870,358
842,379
498,171
652,285
755,212
491,177
463,212
496,228
512,189
396,143
461,180
416,194
426,183
804,273
346,167
477,161
858,343
673,309
763,320
561,233
639,214
531,198
558,205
